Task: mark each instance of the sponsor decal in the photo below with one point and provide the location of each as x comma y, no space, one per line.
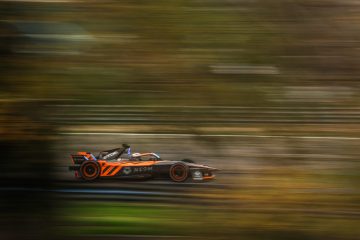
197,175
110,155
136,170
142,169
127,170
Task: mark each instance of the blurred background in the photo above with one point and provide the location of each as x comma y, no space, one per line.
265,90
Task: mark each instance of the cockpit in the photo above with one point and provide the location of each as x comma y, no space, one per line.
144,157
116,154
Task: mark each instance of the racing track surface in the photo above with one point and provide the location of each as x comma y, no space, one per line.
257,163
159,191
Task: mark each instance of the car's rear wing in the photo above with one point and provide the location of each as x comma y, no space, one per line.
81,157
78,159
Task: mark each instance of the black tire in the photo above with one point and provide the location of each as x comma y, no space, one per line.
179,172
90,170
188,160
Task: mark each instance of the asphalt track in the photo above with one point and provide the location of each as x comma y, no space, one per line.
160,191
239,156
153,190
189,193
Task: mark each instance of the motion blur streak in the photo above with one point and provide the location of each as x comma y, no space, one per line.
267,91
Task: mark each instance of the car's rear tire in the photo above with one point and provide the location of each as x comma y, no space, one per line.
179,172
90,170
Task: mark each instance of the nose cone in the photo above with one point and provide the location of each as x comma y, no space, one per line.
192,165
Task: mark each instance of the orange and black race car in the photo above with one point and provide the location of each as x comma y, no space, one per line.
110,163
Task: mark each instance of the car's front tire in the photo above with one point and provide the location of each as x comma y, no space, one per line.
179,172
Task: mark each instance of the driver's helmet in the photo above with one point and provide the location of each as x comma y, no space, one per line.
135,155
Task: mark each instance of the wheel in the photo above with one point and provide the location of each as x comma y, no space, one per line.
179,172
90,170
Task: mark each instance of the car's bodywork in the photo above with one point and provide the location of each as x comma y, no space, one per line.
111,164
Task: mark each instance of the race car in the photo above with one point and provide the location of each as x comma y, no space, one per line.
111,163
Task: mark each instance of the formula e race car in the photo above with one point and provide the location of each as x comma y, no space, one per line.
110,163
